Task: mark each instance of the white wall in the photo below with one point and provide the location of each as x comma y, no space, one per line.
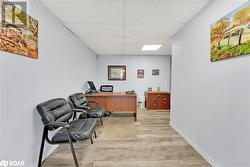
1,150
133,63
210,101
62,68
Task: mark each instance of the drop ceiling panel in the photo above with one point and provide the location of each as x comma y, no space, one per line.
118,27
161,12
103,42
135,45
150,30
97,30
94,11
146,40
115,51
134,51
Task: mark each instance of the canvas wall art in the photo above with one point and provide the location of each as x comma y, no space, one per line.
140,73
18,30
155,72
230,36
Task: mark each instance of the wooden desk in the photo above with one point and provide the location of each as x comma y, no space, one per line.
155,100
116,101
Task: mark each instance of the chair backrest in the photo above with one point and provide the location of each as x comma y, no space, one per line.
78,100
106,88
55,110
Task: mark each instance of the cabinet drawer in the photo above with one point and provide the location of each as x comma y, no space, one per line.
165,105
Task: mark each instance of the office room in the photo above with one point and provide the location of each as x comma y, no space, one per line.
125,83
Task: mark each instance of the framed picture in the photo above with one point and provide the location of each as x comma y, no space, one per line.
140,73
155,72
18,30
116,73
229,36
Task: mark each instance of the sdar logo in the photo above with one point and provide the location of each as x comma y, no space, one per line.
4,163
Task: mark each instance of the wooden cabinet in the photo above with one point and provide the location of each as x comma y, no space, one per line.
155,100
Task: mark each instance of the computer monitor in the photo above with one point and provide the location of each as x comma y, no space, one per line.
92,86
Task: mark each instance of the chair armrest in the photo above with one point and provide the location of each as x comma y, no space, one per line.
79,110
85,108
58,124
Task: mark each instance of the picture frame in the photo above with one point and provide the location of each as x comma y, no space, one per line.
117,72
18,30
155,72
140,73
229,36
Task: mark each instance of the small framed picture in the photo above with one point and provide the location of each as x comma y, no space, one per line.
155,72
140,73
116,73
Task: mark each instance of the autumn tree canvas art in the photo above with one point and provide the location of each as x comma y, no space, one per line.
230,36
18,31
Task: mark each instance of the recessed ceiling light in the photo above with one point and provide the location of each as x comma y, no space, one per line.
151,47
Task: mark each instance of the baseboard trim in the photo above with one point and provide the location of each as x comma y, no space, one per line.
49,152
46,154
195,146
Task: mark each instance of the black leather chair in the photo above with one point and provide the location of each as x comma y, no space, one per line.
79,101
57,113
106,88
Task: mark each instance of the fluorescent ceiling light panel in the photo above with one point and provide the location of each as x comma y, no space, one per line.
151,47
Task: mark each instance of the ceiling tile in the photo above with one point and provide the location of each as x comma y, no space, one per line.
161,12
88,11
118,27
115,51
150,30
96,30
96,43
135,44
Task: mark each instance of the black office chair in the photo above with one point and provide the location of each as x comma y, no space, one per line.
80,102
57,113
106,88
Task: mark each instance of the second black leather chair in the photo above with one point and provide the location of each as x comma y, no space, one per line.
80,101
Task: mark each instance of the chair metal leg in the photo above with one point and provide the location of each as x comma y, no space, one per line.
73,150
101,121
41,148
95,134
91,140
74,116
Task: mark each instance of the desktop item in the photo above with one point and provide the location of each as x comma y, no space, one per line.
158,88
106,88
131,92
92,88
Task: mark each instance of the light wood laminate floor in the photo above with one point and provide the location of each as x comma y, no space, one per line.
121,142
